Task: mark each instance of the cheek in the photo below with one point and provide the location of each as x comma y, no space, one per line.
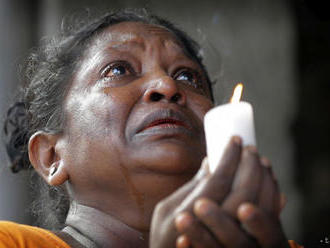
96,114
95,129
89,114
199,104
97,122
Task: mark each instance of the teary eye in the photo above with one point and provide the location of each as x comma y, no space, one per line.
187,76
117,69
190,76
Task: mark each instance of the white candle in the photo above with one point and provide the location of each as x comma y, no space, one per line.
225,121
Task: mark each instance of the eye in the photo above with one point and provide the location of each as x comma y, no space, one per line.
188,75
117,69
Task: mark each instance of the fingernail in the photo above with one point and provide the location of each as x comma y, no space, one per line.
202,207
182,221
237,140
265,162
245,211
182,241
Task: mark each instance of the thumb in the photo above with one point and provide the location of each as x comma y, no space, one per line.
203,170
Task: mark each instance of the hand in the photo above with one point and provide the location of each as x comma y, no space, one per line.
213,225
255,183
163,232
220,186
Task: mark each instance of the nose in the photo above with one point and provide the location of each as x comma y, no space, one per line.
164,89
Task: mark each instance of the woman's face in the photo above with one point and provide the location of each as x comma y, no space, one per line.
134,130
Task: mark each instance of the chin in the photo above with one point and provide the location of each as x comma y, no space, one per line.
172,157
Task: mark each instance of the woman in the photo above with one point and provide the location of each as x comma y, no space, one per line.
111,115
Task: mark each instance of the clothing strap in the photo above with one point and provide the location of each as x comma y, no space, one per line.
81,239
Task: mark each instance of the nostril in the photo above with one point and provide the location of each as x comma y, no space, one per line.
155,96
176,97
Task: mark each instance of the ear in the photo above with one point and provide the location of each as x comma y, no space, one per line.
45,158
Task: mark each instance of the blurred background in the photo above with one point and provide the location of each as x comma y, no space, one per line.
279,49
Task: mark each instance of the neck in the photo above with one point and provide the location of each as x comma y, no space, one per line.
104,229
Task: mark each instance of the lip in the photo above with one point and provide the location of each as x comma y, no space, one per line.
166,121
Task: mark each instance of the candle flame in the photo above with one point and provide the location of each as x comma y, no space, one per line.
237,94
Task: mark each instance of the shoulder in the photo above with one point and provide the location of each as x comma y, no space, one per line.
15,235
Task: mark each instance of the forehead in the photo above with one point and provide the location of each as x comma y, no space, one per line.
137,34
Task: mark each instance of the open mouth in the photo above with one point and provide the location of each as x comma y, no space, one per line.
165,123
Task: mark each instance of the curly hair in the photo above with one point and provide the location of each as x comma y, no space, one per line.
47,75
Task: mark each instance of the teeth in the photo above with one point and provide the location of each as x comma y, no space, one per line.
164,121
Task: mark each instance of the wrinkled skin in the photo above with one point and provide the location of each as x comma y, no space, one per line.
121,168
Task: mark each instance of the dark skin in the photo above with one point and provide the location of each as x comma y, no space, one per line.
119,161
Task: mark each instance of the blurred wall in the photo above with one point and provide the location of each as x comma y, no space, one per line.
311,128
15,40
245,41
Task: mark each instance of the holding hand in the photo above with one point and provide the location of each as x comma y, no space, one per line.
212,210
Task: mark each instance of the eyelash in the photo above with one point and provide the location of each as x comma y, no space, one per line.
196,76
196,82
115,65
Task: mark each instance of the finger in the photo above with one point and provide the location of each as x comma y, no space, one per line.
250,170
222,225
196,233
279,199
203,170
230,160
265,229
246,186
217,185
182,241
269,198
